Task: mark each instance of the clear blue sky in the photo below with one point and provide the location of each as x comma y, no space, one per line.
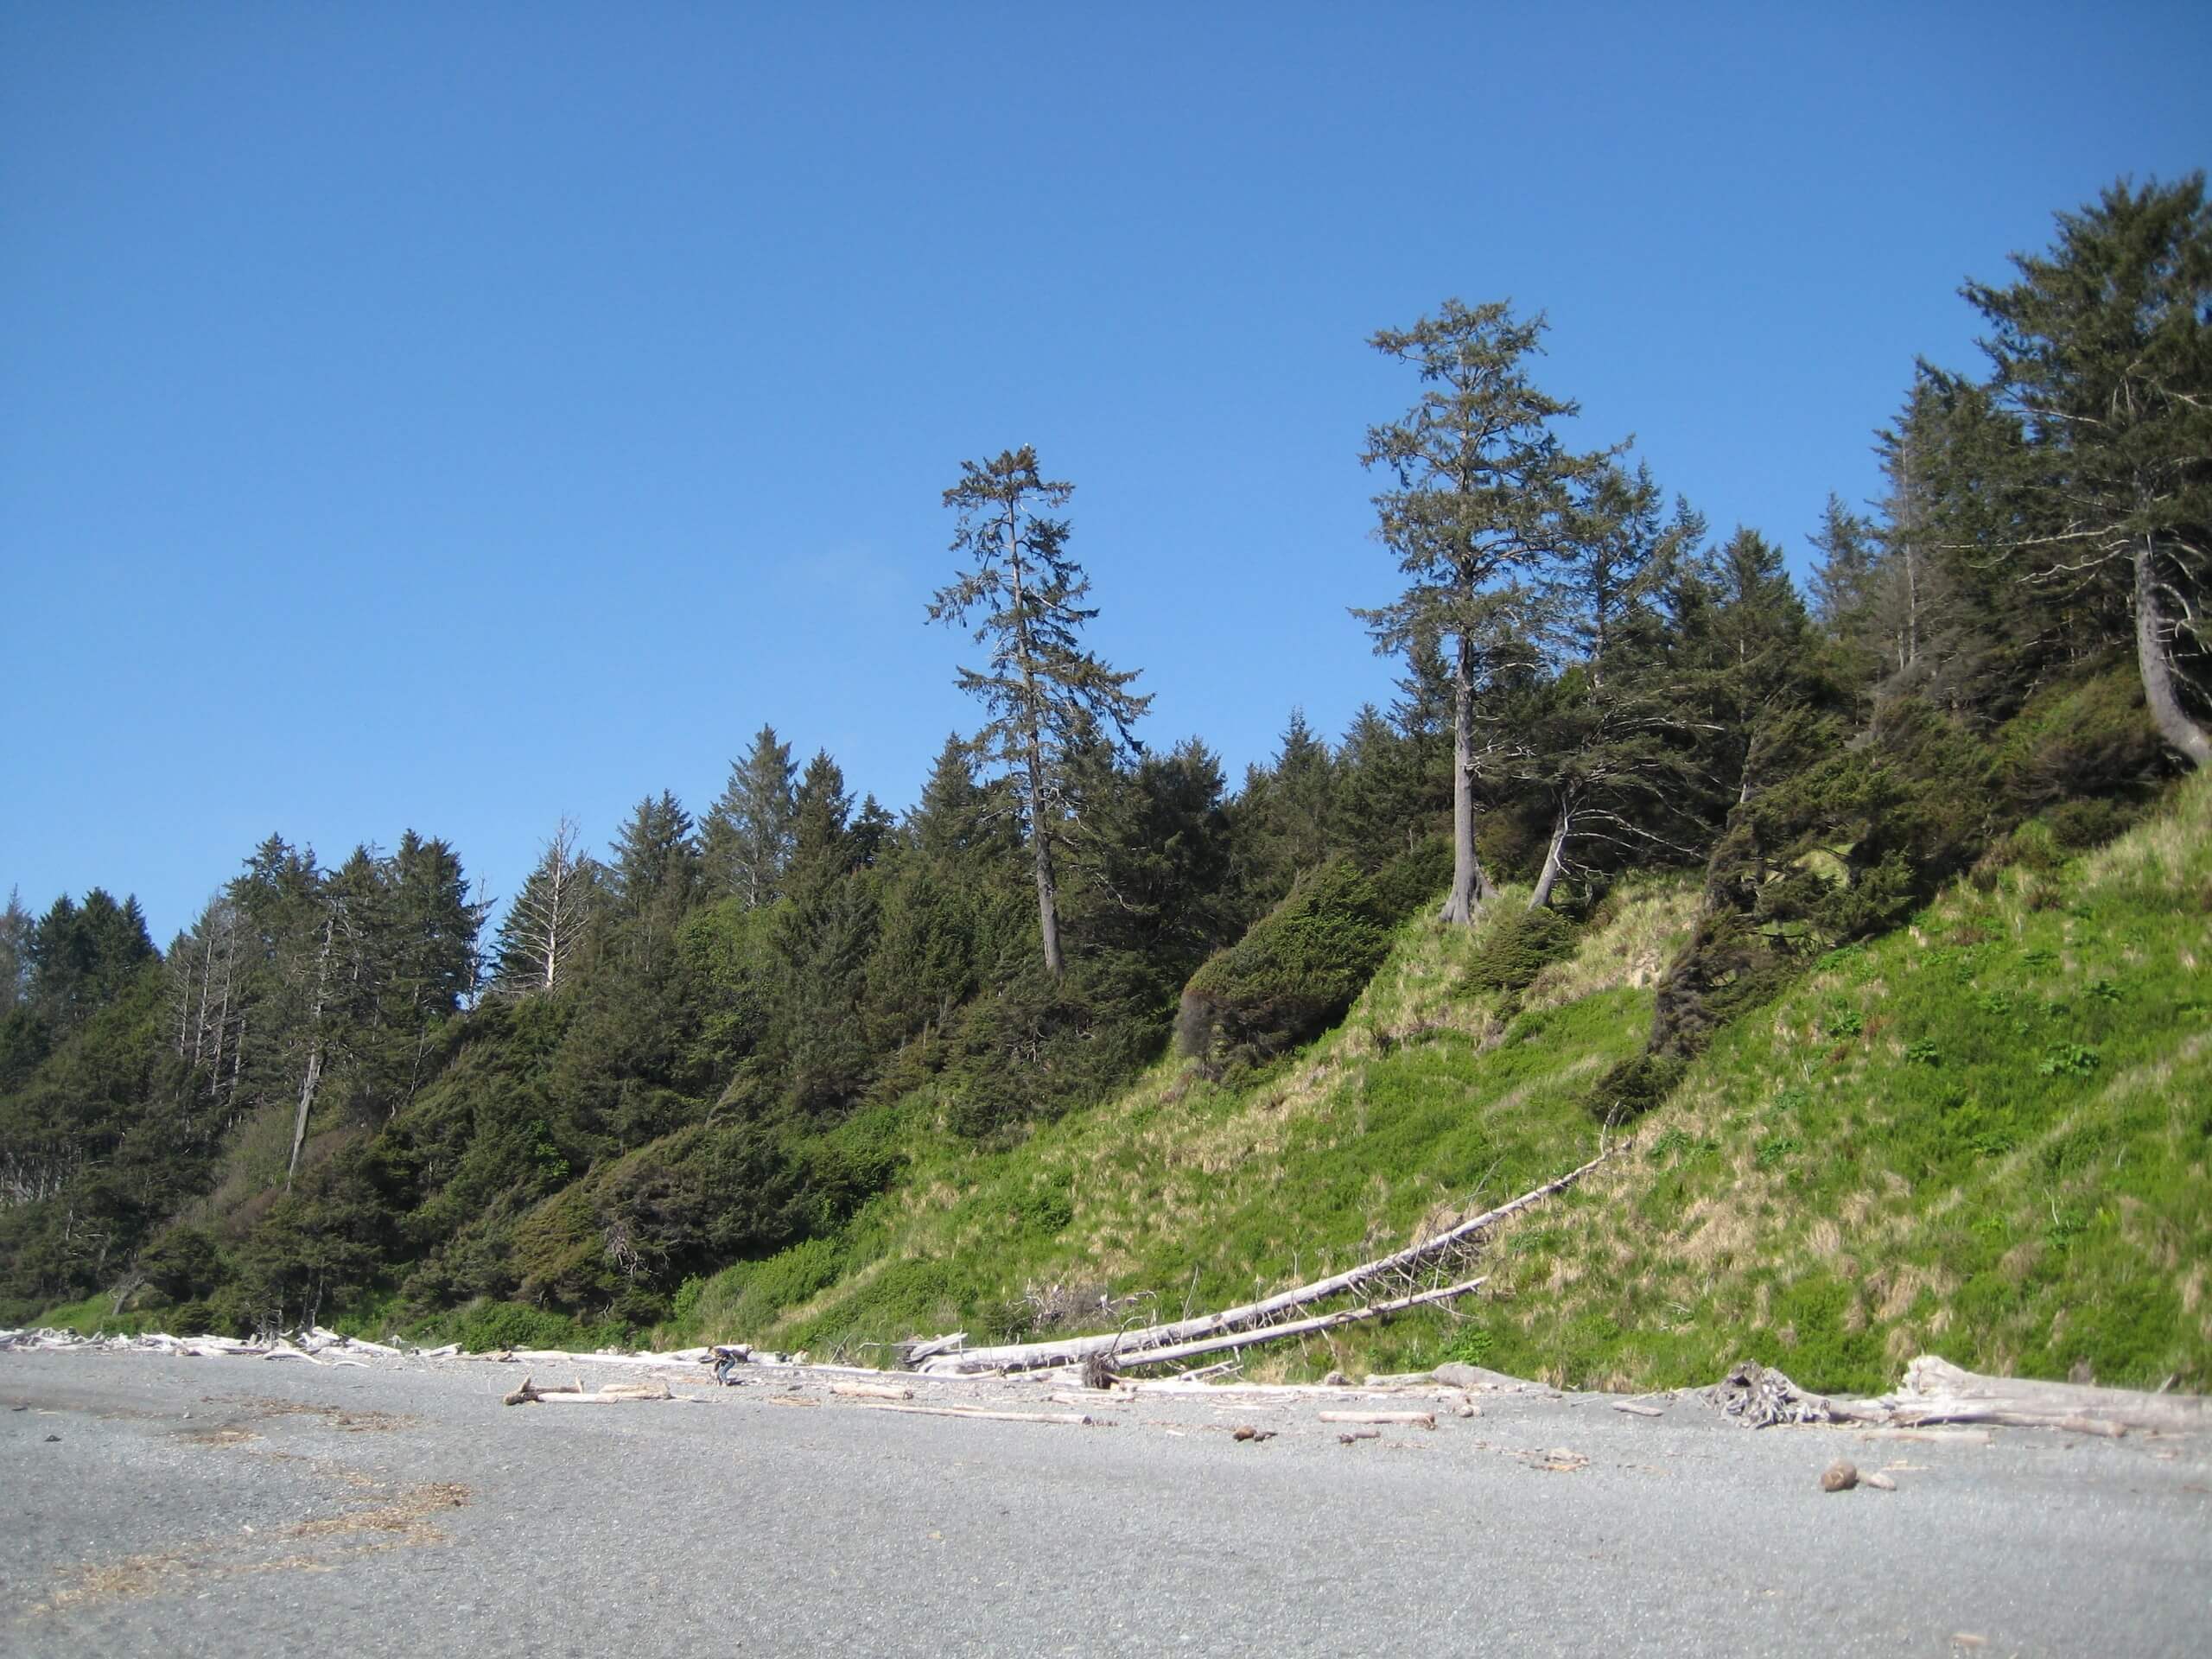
455,416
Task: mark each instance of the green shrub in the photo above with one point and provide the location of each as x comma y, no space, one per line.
1413,878
490,1327
1512,949
1634,1087
1294,975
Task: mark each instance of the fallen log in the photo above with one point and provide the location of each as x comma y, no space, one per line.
614,1395
1127,1347
1399,1419
1074,1418
1931,1436
915,1350
871,1391
1296,1327
1934,1391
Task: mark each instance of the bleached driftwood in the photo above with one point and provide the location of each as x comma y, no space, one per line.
1075,1417
1935,1391
1145,1346
1398,1419
613,1394
641,1362
1295,1327
915,1350
871,1391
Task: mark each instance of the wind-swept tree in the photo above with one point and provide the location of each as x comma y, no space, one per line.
2102,349
1607,743
1044,693
1480,497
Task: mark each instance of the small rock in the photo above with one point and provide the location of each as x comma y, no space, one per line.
1468,1408
1838,1477
1879,1481
1336,1380
51,1438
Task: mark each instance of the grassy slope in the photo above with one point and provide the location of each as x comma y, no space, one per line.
1985,1135
1182,1193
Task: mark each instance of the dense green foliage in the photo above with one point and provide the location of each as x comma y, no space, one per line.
1293,974
708,1076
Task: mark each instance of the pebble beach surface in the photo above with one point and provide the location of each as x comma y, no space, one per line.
376,1503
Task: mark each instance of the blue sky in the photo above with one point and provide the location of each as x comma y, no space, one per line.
455,416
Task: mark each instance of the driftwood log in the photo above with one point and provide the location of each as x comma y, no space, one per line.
1187,1337
615,1394
1183,1350
1397,1419
1935,1391
1075,1419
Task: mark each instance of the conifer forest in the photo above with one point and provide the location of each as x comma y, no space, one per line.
356,1091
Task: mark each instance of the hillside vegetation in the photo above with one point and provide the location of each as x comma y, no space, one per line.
1985,1134
1093,1030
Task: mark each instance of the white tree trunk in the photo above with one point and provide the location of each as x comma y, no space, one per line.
2153,656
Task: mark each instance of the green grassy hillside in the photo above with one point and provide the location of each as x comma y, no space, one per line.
1183,1192
1986,1135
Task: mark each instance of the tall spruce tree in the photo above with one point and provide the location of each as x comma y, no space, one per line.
746,839
1480,497
1044,693
15,925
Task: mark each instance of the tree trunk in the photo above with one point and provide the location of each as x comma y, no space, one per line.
1471,887
314,1051
1126,1346
1555,856
2152,656
1048,897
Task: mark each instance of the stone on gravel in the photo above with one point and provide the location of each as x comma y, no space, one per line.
1838,1477
1880,1482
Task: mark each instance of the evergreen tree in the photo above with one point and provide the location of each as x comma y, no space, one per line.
1041,690
1388,796
655,866
83,956
541,940
1285,816
2103,349
747,835
1481,496
16,926
821,824
1843,574
1607,745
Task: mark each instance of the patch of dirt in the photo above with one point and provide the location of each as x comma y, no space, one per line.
406,1518
353,1423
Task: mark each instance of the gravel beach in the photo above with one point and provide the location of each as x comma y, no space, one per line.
240,1506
